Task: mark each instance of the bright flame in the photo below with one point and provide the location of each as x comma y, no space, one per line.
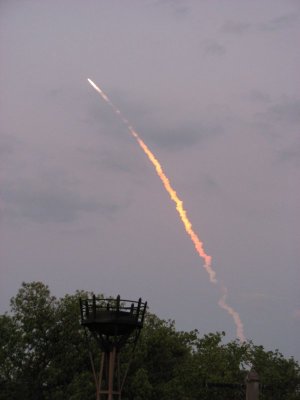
179,207
181,212
99,90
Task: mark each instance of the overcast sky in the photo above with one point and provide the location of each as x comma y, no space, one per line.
213,88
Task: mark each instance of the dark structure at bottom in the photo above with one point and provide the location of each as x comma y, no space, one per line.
114,323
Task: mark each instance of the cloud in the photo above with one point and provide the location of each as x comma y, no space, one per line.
178,137
42,202
114,161
179,7
5,148
274,24
257,96
98,114
210,184
215,48
287,110
289,155
279,23
236,28
7,144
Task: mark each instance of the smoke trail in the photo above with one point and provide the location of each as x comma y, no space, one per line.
237,320
181,212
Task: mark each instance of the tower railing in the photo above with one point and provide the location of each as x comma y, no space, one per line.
114,323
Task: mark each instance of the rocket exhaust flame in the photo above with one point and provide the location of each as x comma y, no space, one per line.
179,207
181,212
99,90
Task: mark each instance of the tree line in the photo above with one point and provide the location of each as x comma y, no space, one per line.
44,356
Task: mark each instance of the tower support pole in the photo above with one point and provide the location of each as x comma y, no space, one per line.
111,373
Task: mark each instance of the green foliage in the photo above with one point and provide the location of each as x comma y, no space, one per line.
279,376
160,358
43,356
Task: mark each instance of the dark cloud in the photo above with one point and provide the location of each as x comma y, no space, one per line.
181,10
235,27
114,161
289,155
104,118
258,96
5,146
179,7
143,114
180,137
287,111
215,48
8,143
211,184
46,203
275,24
101,116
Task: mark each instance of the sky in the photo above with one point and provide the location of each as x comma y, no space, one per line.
212,88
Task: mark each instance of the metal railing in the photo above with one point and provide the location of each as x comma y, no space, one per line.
89,308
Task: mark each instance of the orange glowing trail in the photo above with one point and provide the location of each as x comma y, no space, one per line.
179,207
182,214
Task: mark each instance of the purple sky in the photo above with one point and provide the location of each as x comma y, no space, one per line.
213,88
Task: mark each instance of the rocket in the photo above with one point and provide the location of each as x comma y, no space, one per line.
98,90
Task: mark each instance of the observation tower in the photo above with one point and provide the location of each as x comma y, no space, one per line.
114,323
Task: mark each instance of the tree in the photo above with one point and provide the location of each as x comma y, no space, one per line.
161,355
280,377
43,355
42,347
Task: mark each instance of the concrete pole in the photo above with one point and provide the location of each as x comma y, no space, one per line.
252,385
